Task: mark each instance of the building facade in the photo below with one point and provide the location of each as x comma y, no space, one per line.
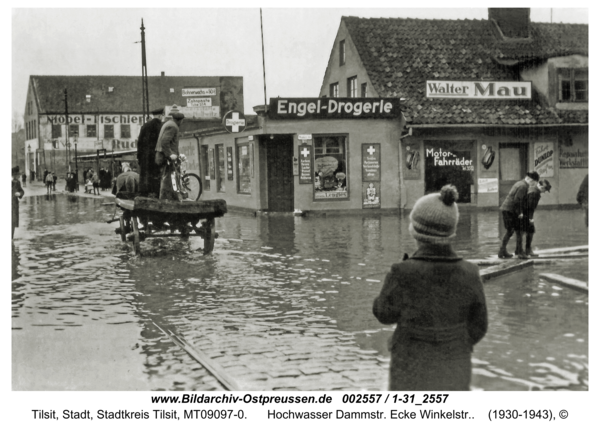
105,113
485,100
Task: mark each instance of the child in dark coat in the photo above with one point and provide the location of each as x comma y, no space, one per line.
436,299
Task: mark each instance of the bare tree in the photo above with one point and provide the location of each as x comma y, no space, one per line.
17,121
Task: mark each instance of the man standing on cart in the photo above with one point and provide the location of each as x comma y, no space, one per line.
150,172
167,154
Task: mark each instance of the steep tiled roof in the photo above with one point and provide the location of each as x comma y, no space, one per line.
400,54
126,96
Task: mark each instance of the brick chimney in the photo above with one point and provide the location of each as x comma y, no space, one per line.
513,22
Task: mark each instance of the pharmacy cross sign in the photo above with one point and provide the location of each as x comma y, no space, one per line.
234,121
305,152
371,150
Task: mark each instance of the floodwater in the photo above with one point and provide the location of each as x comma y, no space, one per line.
283,303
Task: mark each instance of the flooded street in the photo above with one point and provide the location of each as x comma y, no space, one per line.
283,303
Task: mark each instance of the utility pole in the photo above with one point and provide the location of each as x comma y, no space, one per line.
68,164
145,101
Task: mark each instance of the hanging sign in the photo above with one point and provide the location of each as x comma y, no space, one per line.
370,195
234,121
371,162
543,159
306,166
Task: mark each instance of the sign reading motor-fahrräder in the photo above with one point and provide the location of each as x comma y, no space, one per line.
478,90
329,108
234,121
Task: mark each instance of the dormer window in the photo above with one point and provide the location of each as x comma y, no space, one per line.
573,85
88,98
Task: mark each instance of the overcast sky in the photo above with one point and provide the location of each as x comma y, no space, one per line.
201,42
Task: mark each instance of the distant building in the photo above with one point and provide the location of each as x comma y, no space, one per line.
105,112
18,149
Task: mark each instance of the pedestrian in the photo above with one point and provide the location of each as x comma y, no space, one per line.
49,180
32,176
24,179
95,183
17,194
54,179
167,152
127,184
531,202
436,300
146,155
512,214
582,198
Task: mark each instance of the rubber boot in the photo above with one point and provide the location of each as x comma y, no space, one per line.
528,251
503,253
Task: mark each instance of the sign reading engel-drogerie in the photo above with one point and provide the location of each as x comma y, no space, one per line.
347,108
478,90
191,92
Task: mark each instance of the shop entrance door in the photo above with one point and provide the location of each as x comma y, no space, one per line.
513,166
449,162
280,175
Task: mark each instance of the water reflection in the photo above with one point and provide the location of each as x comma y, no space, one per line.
283,303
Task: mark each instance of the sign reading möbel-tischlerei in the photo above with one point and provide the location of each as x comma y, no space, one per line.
323,108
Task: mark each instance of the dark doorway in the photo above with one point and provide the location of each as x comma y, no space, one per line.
280,177
513,166
449,162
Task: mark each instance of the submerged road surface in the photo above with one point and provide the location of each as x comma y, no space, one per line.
284,303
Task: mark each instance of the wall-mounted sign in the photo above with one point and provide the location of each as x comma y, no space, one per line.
234,121
250,137
305,137
203,101
306,166
371,195
93,119
322,108
191,92
411,154
199,112
229,163
573,157
487,185
371,162
478,90
543,159
443,157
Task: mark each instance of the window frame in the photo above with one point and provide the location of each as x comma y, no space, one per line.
89,127
346,137
562,74
127,128
364,90
110,127
334,89
56,127
220,162
204,169
352,87
239,174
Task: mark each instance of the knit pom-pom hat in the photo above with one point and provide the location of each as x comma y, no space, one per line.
435,216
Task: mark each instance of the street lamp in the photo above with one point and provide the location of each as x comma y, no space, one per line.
29,159
76,168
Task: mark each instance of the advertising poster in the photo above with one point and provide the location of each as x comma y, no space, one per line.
543,159
371,162
305,157
411,163
229,163
371,195
487,185
211,163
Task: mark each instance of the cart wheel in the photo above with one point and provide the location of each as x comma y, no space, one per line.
192,185
209,236
136,236
122,225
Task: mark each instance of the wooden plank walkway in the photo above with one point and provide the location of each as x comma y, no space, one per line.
568,282
504,268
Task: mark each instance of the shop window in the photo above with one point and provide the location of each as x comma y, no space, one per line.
450,162
573,85
334,90
221,171
56,131
109,131
363,90
352,86
204,172
125,131
91,130
244,168
342,52
330,171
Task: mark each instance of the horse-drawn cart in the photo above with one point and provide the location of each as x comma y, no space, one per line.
144,217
